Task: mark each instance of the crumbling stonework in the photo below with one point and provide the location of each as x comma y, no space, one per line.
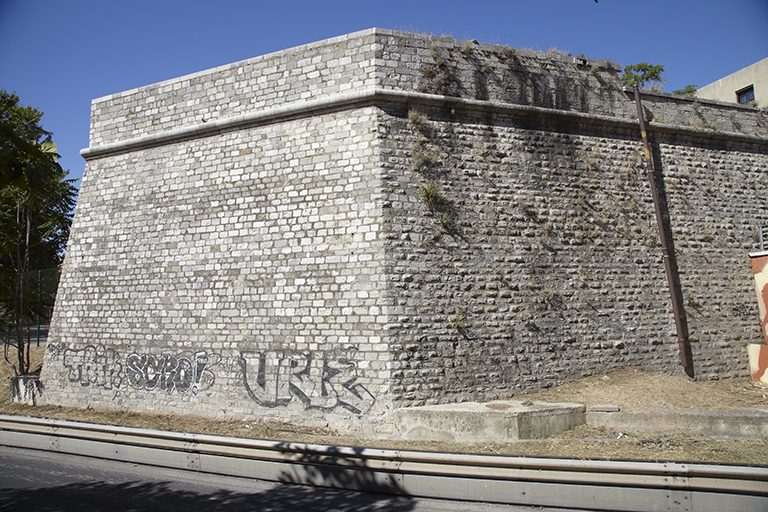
385,219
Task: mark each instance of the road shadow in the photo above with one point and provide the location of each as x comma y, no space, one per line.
162,496
336,469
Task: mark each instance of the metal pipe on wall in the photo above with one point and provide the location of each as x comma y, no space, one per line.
686,357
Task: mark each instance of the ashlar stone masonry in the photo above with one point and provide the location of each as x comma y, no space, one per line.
382,220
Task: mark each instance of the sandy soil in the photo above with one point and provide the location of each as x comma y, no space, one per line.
636,390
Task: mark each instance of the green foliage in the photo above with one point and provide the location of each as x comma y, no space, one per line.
422,158
430,195
689,90
439,78
644,74
448,221
36,203
458,321
420,121
26,150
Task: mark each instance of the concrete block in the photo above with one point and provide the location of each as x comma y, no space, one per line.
499,421
747,423
602,408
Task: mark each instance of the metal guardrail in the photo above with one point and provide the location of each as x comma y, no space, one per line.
591,484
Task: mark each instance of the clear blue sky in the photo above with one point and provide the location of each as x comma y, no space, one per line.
59,55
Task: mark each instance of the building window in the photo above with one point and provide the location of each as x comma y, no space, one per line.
746,95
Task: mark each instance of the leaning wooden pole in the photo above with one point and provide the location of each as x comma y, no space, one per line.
686,357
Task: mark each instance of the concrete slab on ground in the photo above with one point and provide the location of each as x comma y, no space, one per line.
746,423
498,421
512,420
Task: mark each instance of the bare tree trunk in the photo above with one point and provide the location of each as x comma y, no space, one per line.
19,294
25,279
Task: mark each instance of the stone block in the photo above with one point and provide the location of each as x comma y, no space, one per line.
493,422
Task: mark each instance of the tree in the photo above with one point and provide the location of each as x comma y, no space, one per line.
688,90
644,74
36,203
25,148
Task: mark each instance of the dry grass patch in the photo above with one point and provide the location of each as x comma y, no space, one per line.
631,390
636,390
6,372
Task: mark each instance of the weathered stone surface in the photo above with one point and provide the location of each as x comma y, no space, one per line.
260,240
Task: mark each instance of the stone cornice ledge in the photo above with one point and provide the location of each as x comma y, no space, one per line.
375,94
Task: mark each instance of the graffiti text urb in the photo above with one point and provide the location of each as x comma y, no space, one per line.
274,378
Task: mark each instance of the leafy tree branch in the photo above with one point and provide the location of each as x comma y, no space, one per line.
36,204
644,74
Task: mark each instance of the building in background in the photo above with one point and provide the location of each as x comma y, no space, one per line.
744,86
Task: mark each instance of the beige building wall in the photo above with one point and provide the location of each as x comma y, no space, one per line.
729,87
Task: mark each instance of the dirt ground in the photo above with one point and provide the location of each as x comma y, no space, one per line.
631,390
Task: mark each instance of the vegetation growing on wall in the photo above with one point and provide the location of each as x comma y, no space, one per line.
425,160
440,77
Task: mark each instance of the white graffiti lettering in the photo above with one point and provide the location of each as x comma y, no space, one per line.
89,367
169,373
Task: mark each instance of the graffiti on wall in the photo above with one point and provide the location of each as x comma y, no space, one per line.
89,367
319,381
169,373
103,368
274,378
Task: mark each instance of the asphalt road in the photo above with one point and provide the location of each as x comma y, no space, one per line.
46,482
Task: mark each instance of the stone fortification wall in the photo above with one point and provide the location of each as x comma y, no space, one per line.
385,219
203,275
541,259
338,65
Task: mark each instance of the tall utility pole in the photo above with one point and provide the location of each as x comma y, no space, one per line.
686,357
